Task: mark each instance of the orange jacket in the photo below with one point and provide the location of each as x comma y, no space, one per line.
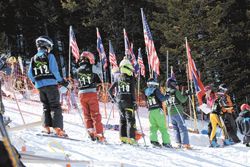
229,105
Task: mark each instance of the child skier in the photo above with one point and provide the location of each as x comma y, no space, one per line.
125,88
175,111
216,120
243,123
209,99
227,114
88,96
156,116
44,73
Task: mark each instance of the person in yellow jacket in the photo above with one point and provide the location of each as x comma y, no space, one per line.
213,102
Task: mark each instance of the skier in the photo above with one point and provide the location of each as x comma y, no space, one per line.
125,88
175,110
88,96
243,123
156,116
44,73
209,98
215,119
227,116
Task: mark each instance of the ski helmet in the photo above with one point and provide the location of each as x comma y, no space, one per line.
223,88
44,42
244,107
171,83
126,67
87,57
152,83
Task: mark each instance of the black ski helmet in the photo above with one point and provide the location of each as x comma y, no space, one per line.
223,88
44,42
171,83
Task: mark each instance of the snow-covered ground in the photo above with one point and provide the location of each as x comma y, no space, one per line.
114,154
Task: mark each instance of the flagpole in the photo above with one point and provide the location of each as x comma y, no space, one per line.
70,27
189,100
192,92
139,79
103,81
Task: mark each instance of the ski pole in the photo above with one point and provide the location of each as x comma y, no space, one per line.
78,110
179,114
114,103
109,116
169,112
18,107
141,128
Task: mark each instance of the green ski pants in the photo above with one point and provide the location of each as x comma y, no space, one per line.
158,122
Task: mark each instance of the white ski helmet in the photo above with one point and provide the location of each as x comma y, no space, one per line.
44,42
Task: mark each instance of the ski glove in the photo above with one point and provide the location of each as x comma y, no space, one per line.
66,84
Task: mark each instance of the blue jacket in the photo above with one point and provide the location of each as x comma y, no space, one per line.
52,67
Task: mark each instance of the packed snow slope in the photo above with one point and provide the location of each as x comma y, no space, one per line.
114,154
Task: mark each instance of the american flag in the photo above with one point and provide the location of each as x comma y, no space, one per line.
73,44
101,51
152,55
193,75
127,44
133,60
112,57
140,62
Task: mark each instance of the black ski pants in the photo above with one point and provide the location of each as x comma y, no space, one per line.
230,126
52,111
127,121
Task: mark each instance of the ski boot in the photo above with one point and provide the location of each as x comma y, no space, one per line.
248,145
124,140
235,142
132,141
155,143
227,142
59,132
46,129
186,147
92,136
214,144
177,146
100,138
167,145
138,135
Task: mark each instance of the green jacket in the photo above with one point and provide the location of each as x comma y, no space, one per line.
178,99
